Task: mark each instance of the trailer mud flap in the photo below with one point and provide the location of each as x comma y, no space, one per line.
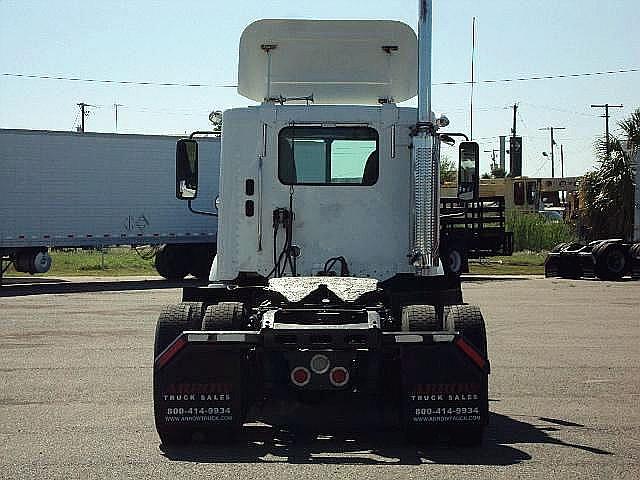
443,385
200,386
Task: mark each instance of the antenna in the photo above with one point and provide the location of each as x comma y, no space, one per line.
473,55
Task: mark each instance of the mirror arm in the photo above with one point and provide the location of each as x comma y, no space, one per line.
202,132
455,134
200,212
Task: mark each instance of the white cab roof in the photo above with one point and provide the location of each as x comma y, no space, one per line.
336,61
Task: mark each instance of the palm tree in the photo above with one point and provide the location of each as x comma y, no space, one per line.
607,192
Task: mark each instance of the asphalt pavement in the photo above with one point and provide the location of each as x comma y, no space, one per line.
75,396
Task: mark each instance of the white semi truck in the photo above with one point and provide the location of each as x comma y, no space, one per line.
66,189
328,305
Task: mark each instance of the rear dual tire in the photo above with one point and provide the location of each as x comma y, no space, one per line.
468,320
174,320
225,316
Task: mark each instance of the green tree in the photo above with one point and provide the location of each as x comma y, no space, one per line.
448,170
607,192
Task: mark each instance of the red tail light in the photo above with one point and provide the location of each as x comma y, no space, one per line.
339,376
300,376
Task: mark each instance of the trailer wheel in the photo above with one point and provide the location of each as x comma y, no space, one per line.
201,259
172,262
611,261
420,318
225,316
467,319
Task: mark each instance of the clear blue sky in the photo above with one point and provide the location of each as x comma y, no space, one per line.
196,41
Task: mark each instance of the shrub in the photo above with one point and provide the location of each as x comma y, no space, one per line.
535,233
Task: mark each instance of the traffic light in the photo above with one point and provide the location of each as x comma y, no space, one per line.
515,156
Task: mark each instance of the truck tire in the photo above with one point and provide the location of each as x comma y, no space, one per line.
611,261
173,320
172,262
225,316
468,320
197,313
420,318
559,247
453,260
634,256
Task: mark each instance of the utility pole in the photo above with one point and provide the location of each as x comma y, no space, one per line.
493,158
563,199
553,142
115,106
83,113
606,117
515,147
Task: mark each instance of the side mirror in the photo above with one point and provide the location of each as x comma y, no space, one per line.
468,169
186,169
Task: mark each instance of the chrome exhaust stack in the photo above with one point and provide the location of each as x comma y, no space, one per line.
425,162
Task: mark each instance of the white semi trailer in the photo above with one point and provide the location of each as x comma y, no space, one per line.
65,189
328,305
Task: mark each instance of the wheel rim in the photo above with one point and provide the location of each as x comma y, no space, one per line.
455,261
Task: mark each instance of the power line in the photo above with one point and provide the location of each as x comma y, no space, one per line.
117,82
556,109
203,85
544,77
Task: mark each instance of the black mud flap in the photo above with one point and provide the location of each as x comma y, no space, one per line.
445,390
199,388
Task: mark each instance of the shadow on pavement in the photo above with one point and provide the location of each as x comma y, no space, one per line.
18,287
264,444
